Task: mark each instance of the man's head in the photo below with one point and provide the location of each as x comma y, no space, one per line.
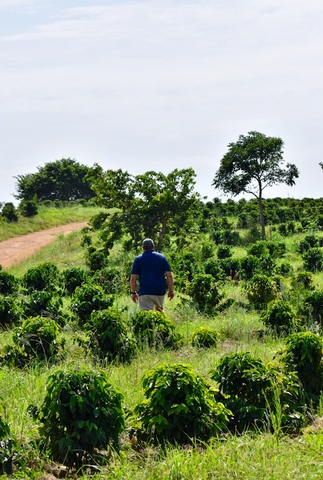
148,244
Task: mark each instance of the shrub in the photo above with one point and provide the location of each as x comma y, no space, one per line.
28,208
279,317
73,277
261,290
224,251
8,283
205,337
9,212
110,337
230,266
303,353
313,260
213,267
96,260
310,241
7,448
88,298
179,406
9,311
41,303
312,307
304,280
249,266
285,269
111,280
81,412
42,277
204,291
38,337
207,250
155,328
248,386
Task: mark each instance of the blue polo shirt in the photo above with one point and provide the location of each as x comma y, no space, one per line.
151,267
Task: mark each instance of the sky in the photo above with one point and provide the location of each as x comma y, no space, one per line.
156,85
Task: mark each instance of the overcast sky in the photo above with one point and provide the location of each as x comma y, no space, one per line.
156,85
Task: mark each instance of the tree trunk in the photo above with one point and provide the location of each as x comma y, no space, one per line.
261,214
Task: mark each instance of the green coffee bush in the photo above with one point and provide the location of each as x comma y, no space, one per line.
155,329
261,290
89,298
73,277
39,337
8,283
110,337
313,260
205,292
43,277
9,311
279,317
179,407
205,337
311,310
248,387
81,413
303,353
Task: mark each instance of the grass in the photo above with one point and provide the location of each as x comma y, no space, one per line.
46,218
245,457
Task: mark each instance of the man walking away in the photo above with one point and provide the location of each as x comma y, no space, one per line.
151,267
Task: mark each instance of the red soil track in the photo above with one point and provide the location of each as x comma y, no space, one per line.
17,249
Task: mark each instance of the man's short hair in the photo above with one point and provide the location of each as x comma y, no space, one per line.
147,244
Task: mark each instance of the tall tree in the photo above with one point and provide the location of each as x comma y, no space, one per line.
251,164
59,180
149,205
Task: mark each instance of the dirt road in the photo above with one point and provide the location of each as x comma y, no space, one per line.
17,249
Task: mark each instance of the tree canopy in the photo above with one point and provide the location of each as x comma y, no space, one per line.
251,164
149,205
59,180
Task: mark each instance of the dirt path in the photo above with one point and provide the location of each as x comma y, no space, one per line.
19,248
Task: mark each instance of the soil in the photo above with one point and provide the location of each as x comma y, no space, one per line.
17,249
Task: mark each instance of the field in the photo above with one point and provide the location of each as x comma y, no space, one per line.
271,453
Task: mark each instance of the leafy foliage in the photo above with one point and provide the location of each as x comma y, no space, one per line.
155,329
9,310
303,353
313,260
110,336
205,292
279,317
261,290
179,406
205,337
9,212
152,205
248,387
8,283
81,412
60,180
252,164
42,277
89,298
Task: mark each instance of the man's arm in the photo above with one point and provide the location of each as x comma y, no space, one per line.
133,284
170,282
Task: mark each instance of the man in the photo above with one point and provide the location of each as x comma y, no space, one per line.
151,268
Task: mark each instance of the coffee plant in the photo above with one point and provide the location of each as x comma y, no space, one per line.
261,290
43,277
155,329
110,337
279,317
205,337
80,414
179,407
303,353
205,292
89,298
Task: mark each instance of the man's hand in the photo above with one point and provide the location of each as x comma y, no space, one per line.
134,297
170,294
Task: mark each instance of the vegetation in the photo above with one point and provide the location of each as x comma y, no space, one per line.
252,164
171,389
